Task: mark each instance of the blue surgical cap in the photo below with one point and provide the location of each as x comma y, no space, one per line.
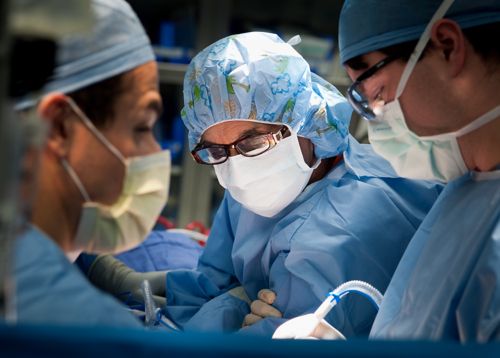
115,44
258,76
370,25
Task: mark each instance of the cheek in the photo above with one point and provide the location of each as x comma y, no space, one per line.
420,104
100,171
130,142
145,144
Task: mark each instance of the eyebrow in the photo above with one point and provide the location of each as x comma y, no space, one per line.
251,131
246,133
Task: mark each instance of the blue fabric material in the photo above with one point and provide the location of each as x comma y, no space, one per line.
163,250
258,76
50,290
447,284
49,341
354,224
116,44
370,25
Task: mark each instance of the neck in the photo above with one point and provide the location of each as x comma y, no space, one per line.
324,168
481,148
53,213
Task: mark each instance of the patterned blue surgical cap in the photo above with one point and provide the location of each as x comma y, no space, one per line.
258,76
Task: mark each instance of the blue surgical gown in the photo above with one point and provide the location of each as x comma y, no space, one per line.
50,290
447,285
354,224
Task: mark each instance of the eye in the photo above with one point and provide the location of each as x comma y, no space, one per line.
253,146
143,129
377,97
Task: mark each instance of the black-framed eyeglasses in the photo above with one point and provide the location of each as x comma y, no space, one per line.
355,94
250,146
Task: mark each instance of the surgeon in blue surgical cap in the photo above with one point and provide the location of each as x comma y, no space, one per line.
102,179
426,77
306,207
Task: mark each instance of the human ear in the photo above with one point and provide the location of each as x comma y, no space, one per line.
447,38
54,109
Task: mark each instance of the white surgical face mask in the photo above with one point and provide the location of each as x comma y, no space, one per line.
435,157
126,223
269,182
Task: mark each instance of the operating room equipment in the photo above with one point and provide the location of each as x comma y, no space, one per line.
314,325
153,314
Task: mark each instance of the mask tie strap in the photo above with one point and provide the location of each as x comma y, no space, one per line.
419,48
76,180
88,123
484,119
479,122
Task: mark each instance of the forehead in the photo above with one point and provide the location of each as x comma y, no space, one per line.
229,131
140,89
142,79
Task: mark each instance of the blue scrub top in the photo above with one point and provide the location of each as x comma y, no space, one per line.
354,224
447,285
50,290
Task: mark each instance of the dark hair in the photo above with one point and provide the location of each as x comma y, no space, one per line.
98,100
484,40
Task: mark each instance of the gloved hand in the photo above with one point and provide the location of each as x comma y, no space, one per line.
111,275
262,307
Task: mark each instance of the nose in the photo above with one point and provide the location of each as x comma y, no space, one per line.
232,151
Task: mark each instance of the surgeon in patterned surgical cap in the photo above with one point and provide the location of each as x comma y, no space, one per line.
306,207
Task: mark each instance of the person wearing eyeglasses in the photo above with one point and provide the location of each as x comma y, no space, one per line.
306,207
427,77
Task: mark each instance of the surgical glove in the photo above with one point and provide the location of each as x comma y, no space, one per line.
262,307
307,327
111,275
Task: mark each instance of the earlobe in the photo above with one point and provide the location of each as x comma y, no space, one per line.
447,37
53,109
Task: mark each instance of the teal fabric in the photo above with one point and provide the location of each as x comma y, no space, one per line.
49,341
370,25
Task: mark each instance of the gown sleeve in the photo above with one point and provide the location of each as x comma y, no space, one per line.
193,294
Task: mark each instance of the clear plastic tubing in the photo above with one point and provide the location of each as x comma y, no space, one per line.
355,286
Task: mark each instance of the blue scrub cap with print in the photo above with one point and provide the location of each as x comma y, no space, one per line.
370,25
115,44
258,76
